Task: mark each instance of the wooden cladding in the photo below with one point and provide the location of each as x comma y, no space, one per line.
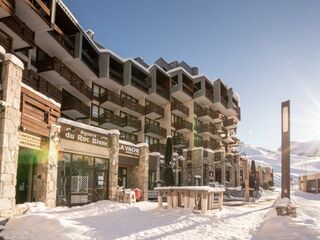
37,113
8,6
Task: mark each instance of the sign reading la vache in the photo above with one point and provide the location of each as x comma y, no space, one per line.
83,136
129,150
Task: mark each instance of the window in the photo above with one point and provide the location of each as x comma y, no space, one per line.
197,140
175,118
227,175
129,97
94,111
124,114
128,136
96,90
151,140
197,124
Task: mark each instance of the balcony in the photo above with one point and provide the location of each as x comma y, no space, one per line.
227,137
209,130
116,76
183,126
236,141
230,124
154,111
179,109
20,29
208,115
130,124
203,91
59,74
5,41
111,100
8,6
67,42
181,86
109,120
155,131
73,107
133,107
41,85
218,156
157,147
180,141
212,144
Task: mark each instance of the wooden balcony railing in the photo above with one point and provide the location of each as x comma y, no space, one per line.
133,105
157,147
20,28
41,7
183,124
152,128
163,92
154,108
108,95
211,144
40,84
53,64
209,95
8,6
72,103
90,62
131,122
109,117
67,42
200,112
208,127
230,122
224,102
176,105
5,41
143,85
187,89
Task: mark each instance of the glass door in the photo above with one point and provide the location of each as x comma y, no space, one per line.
101,179
122,177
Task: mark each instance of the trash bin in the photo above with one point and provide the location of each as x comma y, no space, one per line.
138,193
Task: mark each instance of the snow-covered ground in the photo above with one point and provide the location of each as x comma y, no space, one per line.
302,159
110,220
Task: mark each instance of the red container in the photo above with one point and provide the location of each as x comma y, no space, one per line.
138,194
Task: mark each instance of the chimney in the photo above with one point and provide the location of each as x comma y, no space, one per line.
90,33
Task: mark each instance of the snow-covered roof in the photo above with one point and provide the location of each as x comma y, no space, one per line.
41,95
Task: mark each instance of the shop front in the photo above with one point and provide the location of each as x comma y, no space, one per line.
133,166
86,158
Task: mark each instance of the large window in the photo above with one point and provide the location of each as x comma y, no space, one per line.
81,179
151,140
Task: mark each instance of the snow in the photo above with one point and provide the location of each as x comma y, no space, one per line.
300,164
144,220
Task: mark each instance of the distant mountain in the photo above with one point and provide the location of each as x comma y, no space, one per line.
305,158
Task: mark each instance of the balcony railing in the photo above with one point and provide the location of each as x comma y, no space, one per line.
152,128
224,102
188,90
133,105
163,92
176,105
90,62
5,41
180,141
143,85
66,42
75,104
201,112
40,84
116,76
209,128
131,122
8,5
41,8
211,144
157,147
19,28
230,123
209,95
108,95
183,124
109,117
154,108
129,137
53,64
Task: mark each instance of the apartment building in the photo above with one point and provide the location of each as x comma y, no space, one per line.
78,120
309,183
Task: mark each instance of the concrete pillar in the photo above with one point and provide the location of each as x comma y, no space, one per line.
113,166
10,119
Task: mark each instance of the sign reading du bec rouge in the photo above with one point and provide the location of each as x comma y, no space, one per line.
84,136
128,150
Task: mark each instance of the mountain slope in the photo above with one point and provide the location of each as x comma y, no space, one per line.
301,164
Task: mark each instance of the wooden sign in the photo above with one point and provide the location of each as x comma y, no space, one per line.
84,136
129,150
29,141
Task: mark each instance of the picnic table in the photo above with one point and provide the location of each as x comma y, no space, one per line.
195,197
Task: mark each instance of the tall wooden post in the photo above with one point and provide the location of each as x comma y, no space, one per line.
285,149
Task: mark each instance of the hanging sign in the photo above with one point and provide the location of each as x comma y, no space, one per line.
29,141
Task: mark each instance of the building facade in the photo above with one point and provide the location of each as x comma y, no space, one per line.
78,120
309,183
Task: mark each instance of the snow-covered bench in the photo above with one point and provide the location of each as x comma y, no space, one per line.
200,198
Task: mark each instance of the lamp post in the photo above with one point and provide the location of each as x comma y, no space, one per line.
285,149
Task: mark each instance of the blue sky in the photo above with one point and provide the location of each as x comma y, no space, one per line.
269,51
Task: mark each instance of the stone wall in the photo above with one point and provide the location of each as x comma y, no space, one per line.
10,118
113,167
